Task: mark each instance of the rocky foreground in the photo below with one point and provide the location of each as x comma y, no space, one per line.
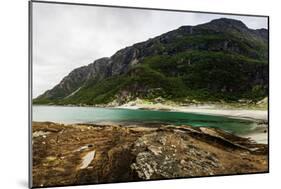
87,154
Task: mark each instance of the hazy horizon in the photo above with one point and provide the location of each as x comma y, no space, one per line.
66,37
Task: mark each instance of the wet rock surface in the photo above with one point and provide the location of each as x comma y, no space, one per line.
138,153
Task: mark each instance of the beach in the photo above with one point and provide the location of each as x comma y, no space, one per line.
256,114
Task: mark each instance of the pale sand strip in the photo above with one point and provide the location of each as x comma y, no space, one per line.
261,115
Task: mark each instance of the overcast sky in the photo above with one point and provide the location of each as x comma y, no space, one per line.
67,36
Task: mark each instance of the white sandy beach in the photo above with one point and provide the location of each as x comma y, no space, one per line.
260,115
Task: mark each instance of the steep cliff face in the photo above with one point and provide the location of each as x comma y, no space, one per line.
222,59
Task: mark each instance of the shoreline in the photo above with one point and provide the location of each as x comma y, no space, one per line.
207,109
260,117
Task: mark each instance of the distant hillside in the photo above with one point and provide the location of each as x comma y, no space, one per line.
219,60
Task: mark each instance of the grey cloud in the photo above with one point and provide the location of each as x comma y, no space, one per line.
66,37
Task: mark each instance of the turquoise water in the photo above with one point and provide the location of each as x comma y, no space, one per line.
63,114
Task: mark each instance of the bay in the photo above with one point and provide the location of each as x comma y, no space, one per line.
96,115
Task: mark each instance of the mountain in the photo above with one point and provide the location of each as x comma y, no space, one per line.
219,60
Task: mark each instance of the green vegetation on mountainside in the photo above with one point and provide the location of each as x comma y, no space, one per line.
207,66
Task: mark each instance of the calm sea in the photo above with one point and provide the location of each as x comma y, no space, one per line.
63,114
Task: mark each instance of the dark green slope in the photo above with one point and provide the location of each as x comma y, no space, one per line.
219,60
